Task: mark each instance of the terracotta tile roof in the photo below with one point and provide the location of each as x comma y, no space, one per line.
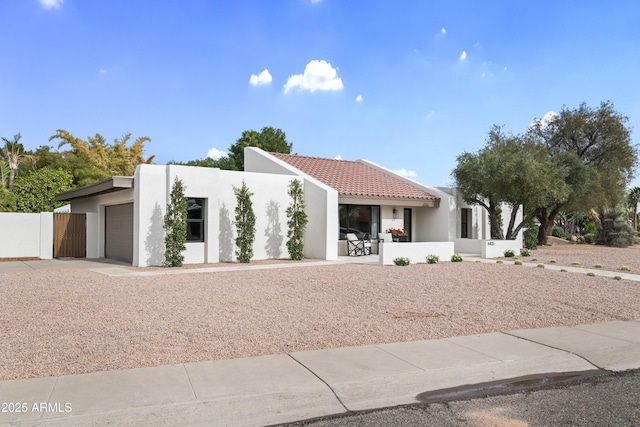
354,178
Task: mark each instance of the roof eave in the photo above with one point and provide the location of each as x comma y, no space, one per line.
109,185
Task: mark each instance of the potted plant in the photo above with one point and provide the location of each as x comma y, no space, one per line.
398,234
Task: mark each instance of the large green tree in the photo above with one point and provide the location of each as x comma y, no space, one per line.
268,139
600,140
36,192
511,170
95,159
633,198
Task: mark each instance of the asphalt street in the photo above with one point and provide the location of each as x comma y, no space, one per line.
602,400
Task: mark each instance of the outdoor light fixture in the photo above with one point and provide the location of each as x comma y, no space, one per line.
395,213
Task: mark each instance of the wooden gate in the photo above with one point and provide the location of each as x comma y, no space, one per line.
69,235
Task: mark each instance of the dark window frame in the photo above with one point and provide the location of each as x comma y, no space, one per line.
195,223
464,223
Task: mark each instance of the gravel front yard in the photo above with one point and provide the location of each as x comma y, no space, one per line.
73,321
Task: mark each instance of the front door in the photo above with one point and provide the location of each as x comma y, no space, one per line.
407,222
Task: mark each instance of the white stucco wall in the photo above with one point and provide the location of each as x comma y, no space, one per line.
26,235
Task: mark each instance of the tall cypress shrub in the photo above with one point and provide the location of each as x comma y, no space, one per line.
175,226
245,223
297,220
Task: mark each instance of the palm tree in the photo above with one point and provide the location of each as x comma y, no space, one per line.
633,198
12,153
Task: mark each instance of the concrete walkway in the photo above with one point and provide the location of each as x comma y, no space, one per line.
283,388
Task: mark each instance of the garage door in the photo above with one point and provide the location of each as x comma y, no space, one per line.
118,233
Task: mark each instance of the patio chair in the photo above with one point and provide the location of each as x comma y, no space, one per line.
357,247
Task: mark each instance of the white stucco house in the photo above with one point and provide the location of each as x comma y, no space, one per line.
125,214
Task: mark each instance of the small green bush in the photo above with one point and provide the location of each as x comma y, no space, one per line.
509,253
589,238
563,270
525,252
432,259
499,261
591,274
456,258
553,261
625,268
517,262
598,266
530,236
617,278
541,265
534,259
557,232
401,261
478,260
575,263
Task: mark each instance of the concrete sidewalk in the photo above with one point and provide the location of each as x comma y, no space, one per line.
283,388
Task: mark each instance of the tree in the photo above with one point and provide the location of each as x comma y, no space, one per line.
36,192
13,154
297,220
269,139
633,198
7,201
175,226
245,223
223,162
513,170
104,160
601,141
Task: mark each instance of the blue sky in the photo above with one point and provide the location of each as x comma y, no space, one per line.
408,85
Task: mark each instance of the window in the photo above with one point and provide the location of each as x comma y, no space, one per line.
465,217
195,220
359,220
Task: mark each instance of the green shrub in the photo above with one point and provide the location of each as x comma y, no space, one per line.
617,278
553,261
557,232
432,259
616,230
589,238
598,266
591,274
509,253
499,261
175,226
401,261
563,270
575,263
456,258
625,268
297,220
517,262
245,223
541,265
530,236
525,252
534,259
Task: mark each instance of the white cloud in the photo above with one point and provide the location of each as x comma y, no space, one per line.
264,78
315,1
505,68
443,31
338,157
406,173
359,98
51,4
215,154
103,71
318,75
463,55
545,121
